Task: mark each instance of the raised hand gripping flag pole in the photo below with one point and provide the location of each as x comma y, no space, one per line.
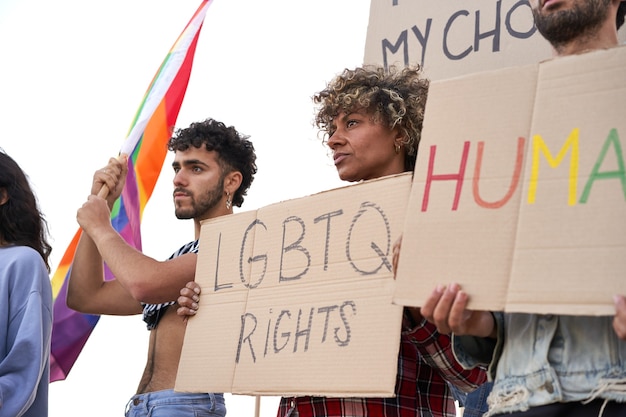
146,148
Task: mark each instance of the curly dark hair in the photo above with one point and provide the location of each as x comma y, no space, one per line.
621,11
236,152
396,96
21,221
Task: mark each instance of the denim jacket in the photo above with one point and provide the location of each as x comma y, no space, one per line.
543,359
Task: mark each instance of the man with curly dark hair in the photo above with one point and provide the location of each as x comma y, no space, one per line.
214,166
25,297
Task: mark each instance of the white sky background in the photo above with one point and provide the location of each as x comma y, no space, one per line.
72,75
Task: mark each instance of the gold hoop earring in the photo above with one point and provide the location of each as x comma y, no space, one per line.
397,146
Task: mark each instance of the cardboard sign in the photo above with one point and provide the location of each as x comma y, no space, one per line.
454,37
519,193
297,297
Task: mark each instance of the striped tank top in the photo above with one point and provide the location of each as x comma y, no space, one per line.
152,313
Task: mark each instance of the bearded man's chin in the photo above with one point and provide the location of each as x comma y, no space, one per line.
183,215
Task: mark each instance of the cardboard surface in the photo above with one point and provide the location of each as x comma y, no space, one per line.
538,222
297,297
455,37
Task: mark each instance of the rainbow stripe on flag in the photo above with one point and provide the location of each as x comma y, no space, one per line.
146,148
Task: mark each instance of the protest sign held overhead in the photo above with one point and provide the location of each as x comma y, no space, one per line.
455,37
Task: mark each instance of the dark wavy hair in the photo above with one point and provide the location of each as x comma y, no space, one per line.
621,11
21,221
396,97
236,152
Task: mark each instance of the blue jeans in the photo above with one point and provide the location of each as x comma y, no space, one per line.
168,403
476,401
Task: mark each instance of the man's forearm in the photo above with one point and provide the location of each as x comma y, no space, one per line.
145,278
86,274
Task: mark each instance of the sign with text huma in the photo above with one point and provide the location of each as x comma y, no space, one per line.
519,193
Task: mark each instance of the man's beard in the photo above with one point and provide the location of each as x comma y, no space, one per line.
561,27
205,203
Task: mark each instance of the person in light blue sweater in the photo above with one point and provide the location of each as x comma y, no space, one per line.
25,297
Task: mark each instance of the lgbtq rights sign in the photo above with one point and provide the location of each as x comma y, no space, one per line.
519,192
297,296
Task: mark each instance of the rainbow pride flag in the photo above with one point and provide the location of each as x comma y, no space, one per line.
146,148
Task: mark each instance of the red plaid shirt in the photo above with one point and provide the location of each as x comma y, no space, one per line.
425,363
